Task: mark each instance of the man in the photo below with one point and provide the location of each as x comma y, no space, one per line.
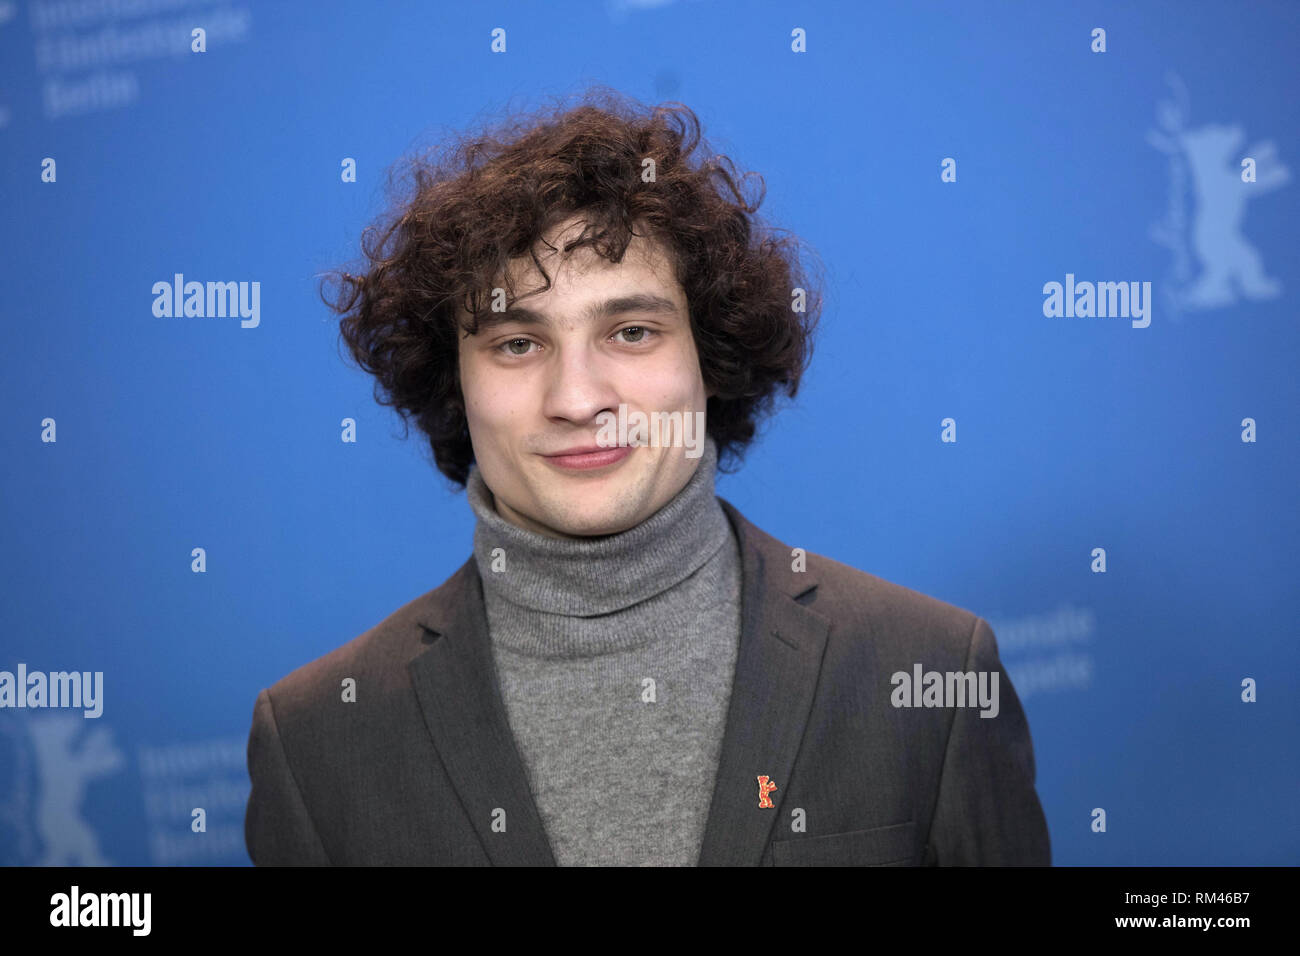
626,671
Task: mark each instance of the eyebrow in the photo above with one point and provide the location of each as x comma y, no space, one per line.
618,305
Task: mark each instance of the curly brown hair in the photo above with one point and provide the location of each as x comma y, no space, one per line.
484,198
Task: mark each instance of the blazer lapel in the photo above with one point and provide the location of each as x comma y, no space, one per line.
455,681
777,665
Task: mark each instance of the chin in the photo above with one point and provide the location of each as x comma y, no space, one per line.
595,523
594,526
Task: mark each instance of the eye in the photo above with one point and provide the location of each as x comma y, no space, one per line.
645,335
506,346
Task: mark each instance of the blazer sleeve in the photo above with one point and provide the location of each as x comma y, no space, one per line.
987,812
278,830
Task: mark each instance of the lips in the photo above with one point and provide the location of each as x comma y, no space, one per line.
585,457
578,450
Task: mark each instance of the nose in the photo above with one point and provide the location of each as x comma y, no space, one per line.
579,385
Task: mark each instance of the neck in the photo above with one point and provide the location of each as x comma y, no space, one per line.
585,577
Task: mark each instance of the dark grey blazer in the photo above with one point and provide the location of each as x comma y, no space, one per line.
412,771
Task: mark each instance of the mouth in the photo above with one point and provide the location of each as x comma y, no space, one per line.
588,458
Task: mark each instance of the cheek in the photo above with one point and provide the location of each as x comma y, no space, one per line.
470,400
692,391
475,390
496,405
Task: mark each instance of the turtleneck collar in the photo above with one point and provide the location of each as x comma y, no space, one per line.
586,577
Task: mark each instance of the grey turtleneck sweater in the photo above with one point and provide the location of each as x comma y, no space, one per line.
615,657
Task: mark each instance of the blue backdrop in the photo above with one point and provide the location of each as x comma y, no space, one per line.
946,161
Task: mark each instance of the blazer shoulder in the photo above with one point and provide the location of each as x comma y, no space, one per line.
849,593
897,618
376,658
899,621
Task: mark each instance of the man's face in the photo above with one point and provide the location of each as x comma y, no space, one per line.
535,380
